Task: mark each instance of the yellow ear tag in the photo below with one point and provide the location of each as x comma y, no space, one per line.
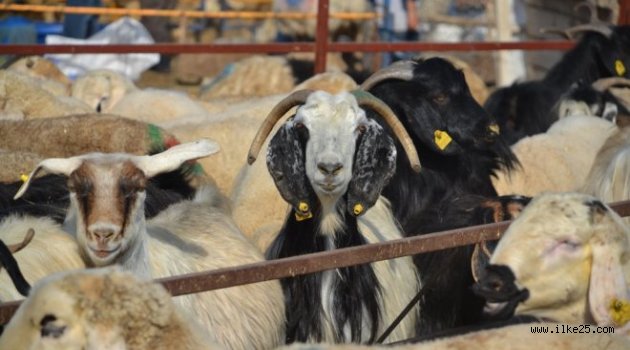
303,216
620,68
358,209
23,177
442,139
495,128
619,311
303,207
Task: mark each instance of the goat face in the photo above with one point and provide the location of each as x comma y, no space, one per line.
329,148
108,195
435,104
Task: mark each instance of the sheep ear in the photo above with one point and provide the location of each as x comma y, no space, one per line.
608,294
374,165
285,162
63,166
175,156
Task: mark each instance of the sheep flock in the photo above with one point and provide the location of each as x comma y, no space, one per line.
106,187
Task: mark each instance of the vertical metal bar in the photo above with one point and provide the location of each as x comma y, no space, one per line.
624,12
321,36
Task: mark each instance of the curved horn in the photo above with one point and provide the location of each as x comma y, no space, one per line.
604,84
14,248
401,70
297,98
600,28
9,262
365,98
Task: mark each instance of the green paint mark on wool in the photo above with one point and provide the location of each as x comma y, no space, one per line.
156,139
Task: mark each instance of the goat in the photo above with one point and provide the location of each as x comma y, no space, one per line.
100,309
106,216
563,259
330,162
461,150
525,109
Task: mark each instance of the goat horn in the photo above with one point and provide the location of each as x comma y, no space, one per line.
297,98
14,248
401,70
13,269
366,99
604,84
557,31
599,28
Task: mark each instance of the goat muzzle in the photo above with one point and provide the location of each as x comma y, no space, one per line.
497,285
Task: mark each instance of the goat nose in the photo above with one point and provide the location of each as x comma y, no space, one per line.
103,234
329,168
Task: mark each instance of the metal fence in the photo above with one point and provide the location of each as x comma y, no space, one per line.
310,263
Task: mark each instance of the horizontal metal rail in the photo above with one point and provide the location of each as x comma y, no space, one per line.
182,13
310,263
282,47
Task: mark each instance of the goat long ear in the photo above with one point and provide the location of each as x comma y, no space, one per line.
374,165
608,294
175,156
60,166
285,162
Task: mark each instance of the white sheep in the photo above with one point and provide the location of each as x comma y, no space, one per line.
25,97
330,162
46,72
110,92
107,218
101,309
565,258
557,160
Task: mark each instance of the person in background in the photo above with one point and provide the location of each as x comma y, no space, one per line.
398,21
81,26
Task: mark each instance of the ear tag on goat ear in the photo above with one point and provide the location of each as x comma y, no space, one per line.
619,311
442,139
23,177
299,216
357,209
303,207
620,68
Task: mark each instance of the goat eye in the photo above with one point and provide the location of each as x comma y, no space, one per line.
49,329
361,129
298,125
277,175
440,98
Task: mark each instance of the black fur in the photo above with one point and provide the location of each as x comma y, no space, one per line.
497,285
452,182
355,287
527,108
9,263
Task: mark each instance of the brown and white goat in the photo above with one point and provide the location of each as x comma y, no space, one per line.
107,218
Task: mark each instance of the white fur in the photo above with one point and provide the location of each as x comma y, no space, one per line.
557,160
101,309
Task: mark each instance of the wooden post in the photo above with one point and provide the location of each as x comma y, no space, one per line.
624,12
321,36
503,33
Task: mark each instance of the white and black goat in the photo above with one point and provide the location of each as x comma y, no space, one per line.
330,162
107,218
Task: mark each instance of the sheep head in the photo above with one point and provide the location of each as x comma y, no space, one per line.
101,89
91,309
330,149
567,257
435,104
107,193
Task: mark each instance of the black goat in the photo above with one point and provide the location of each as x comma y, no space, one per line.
526,108
460,149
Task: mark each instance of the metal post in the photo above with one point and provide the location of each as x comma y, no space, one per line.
321,36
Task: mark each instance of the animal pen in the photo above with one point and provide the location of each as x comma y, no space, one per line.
310,263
